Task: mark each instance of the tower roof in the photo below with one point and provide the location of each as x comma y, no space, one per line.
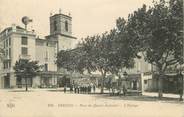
61,14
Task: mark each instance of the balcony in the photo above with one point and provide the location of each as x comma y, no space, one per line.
27,57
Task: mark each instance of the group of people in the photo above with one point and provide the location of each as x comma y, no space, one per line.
81,89
122,90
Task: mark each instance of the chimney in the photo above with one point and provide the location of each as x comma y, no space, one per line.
14,27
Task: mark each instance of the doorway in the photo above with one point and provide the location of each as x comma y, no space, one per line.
6,81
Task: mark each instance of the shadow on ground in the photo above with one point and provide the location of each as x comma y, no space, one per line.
21,91
108,96
140,98
56,90
128,97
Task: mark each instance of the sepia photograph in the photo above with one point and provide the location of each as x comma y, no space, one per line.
91,58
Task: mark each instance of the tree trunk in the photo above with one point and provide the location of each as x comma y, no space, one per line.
160,85
181,97
102,85
26,84
181,89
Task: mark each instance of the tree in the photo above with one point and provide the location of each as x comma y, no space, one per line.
65,60
176,9
107,53
26,69
72,60
157,32
126,50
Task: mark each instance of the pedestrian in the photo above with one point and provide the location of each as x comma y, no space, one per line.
180,86
124,90
89,89
65,89
94,88
113,91
119,92
71,88
86,89
83,89
78,91
181,93
75,89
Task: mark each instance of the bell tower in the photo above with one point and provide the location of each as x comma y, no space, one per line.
61,24
61,31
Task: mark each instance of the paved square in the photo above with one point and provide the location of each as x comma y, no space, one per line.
44,103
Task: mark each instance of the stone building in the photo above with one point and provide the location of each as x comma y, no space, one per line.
19,43
135,78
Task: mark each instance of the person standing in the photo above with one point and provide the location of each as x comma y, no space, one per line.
65,89
71,88
124,90
90,88
75,89
113,91
94,88
78,88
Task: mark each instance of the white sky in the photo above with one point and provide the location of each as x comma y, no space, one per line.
89,16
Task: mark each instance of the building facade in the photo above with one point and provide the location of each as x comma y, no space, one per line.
136,78
19,43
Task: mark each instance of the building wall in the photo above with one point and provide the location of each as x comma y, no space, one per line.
141,66
144,69
16,52
16,47
64,37
7,47
66,42
47,53
51,59
146,80
12,80
60,20
41,51
10,39
4,38
36,82
1,81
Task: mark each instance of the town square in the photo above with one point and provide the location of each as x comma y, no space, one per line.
105,58
52,103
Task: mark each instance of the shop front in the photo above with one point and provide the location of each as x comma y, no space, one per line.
133,82
7,80
49,79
